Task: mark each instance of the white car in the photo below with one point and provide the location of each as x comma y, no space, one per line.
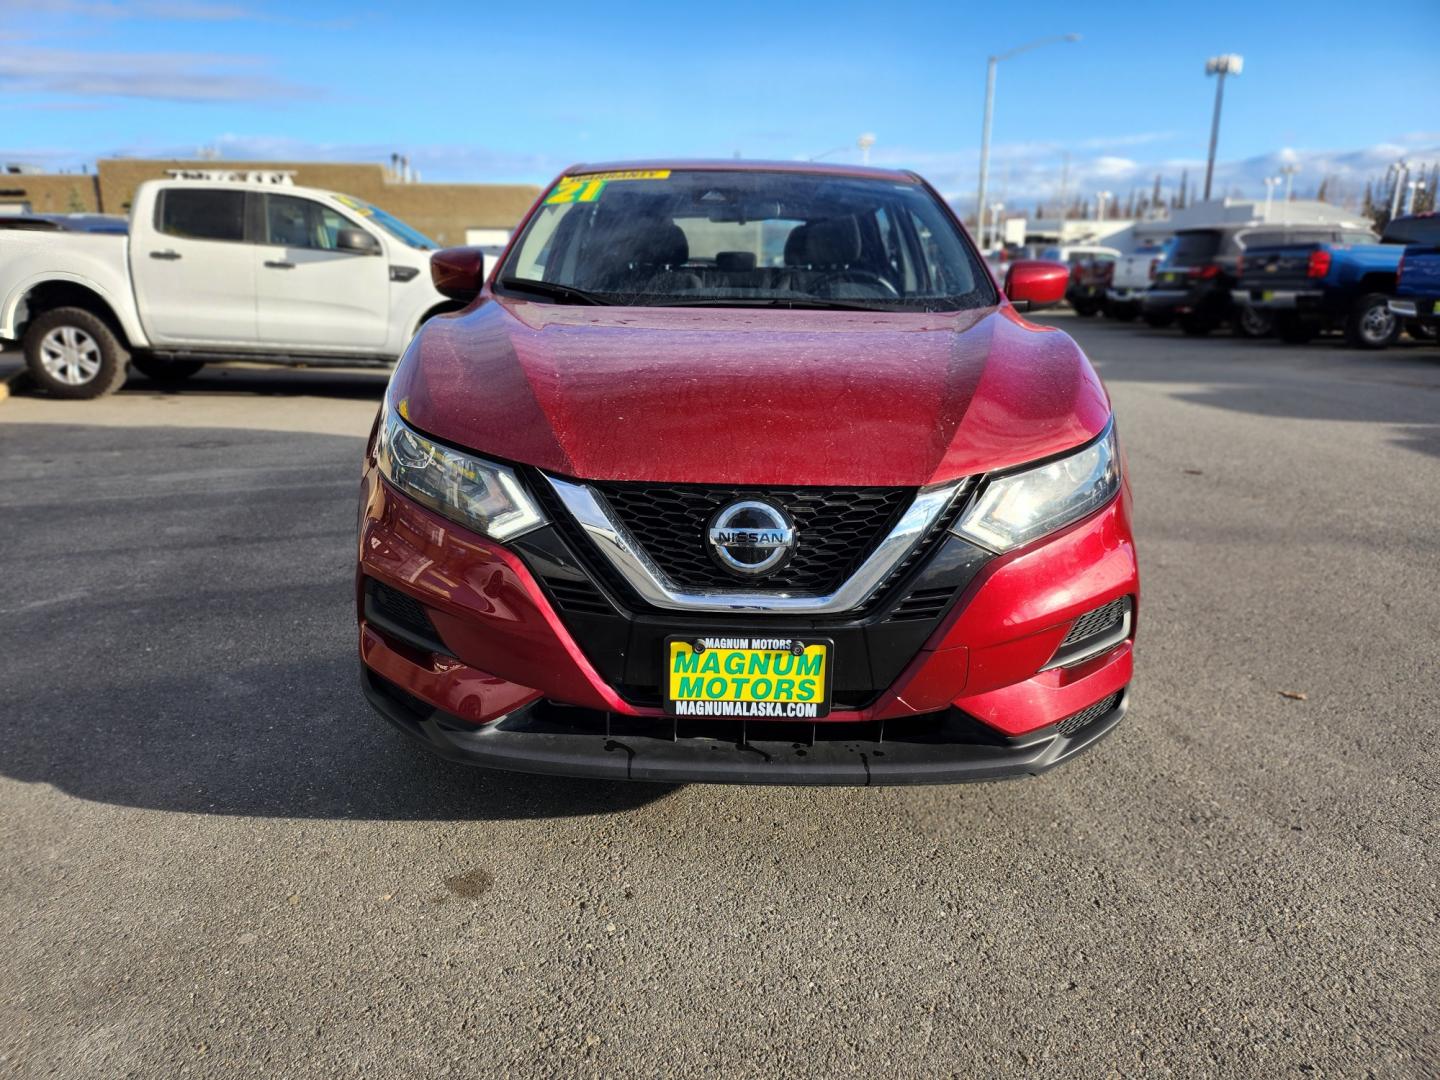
215,270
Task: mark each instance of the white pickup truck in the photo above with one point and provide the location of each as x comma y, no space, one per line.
215,270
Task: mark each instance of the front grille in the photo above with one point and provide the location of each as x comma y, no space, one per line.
1085,717
836,529
1096,622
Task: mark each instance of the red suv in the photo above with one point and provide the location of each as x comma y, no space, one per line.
750,473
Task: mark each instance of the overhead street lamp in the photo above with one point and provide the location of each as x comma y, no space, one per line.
864,142
1219,66
990,113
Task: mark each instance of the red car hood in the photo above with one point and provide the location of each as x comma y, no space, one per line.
747,396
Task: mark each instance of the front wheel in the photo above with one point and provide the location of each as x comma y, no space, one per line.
1250,323
1372,325
72,353
167,372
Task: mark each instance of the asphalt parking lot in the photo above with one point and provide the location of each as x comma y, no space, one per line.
218,862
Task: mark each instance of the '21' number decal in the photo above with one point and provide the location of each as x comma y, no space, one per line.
572,189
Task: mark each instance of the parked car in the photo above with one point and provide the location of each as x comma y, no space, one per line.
663,503
1326,277
214,270
1196,285
1417,279
1130,275
1089,268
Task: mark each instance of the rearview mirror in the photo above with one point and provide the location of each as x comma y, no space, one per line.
357,242
458,272
1032,284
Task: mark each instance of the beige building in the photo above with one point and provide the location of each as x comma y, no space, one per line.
448,213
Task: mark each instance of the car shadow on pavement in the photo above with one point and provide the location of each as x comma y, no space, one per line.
266,381
177,632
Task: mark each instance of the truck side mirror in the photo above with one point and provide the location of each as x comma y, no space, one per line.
458,272
356,241
1034,283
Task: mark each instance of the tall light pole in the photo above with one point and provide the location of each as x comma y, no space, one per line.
1101,198
1401,169
864,142
990,114
1219,66
1270,182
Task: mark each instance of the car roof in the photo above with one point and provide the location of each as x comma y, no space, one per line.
820,168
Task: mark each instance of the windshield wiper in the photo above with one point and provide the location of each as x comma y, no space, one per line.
562,293
799,303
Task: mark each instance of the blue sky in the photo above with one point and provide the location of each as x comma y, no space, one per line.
485,91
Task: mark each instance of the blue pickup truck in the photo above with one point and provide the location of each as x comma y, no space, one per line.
1337,279
1417,283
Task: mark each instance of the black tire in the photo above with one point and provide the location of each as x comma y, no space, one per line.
1158,320
1371,324
1126,312
1294,330
72,353
1084,308
1420,331
1249,323
1193,326
166,372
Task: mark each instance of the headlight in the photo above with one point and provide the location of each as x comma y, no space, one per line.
1015,509
479,494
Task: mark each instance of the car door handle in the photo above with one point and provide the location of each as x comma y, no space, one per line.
164,254
279,265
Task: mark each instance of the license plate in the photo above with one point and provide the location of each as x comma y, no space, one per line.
766,677
1435,310
1267,295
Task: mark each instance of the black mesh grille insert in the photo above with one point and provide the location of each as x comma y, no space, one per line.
835,530
401,609
1096,622
1074,722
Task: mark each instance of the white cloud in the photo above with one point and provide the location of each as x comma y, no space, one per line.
171,76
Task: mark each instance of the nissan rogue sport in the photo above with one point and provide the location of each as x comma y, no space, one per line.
746,472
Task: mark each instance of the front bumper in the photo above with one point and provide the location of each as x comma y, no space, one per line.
541,737
504,646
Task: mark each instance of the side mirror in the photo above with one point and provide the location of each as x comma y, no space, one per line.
1032,284
357,242
458,272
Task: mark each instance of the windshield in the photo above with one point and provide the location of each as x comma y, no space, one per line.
737,238
394,226
1413,230
1199,246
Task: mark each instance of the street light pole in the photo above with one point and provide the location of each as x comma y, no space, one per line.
1219,66
1402,170
1270,182
991,63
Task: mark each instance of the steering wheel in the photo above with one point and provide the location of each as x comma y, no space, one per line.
868,277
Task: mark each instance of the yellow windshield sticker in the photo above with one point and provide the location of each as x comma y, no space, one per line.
355,204
588,186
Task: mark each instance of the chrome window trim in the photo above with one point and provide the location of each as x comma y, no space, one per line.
593,514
